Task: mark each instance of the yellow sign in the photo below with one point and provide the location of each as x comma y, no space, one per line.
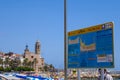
90,29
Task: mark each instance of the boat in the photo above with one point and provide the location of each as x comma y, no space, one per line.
7,77
25,77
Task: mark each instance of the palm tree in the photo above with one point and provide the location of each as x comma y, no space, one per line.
1,62
35,62
30,64
25,62
11,64
51,67
46,68
41,69
17,62
6,62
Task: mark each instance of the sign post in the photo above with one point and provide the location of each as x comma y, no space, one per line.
78,74
102,74
65,41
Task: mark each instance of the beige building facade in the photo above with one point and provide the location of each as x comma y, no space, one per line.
36,56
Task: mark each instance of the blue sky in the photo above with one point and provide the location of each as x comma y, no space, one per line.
26,21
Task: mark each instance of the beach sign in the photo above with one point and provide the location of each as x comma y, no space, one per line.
91,47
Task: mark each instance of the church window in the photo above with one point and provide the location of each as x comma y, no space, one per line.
31,56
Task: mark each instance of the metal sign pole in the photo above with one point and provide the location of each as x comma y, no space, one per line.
65,41
102,74
78,74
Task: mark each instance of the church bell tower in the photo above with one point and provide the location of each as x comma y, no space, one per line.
37,47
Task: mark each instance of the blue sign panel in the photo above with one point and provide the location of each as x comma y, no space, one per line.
91,47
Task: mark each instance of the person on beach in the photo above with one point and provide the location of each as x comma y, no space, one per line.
100,73
107,75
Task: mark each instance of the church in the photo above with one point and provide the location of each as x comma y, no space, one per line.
36,56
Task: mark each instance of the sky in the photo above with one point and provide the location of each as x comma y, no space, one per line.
23,22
